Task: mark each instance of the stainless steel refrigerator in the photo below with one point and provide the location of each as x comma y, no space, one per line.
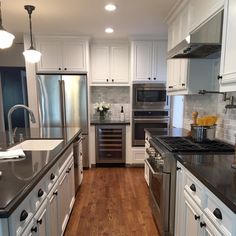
63,102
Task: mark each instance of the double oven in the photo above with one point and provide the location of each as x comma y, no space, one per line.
150,109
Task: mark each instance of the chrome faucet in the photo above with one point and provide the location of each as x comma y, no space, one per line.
12,109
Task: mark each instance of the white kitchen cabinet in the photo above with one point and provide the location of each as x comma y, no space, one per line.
228,62
52,213
138,155
109,64
189,76
66,194
149,61
201,11
62,54
195,206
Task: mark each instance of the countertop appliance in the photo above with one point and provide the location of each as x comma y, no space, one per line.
205,42
162,162
63,102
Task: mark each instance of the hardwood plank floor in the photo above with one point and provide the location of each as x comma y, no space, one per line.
112,202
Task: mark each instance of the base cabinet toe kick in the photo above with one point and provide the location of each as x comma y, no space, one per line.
46,209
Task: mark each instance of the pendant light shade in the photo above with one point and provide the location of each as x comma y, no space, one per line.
6,38
31,55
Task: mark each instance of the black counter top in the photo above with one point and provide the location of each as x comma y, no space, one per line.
109,122
167,132
19,176
215,172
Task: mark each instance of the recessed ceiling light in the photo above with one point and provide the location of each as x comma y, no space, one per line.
110,7
109,30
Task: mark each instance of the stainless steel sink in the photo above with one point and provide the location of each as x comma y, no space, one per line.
38,144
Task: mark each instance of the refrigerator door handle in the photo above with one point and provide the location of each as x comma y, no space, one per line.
62,98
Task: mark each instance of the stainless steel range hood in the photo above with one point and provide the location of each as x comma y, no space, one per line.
205,42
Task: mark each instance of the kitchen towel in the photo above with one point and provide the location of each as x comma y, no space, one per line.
11,154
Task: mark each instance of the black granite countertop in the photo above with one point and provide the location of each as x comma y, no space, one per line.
109,122
216,173
167,132
19,176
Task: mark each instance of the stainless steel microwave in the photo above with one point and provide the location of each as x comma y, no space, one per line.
150,96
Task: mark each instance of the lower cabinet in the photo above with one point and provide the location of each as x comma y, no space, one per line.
46,210
198,211
66,193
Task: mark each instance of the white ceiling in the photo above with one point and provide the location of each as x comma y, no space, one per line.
144,18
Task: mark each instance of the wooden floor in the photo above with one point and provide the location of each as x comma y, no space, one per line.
112,202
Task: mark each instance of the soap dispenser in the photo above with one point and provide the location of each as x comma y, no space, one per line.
122,114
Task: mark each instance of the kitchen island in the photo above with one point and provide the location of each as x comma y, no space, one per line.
37,171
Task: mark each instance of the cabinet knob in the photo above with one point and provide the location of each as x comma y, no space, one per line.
59,68
112,80
217,213
170,87
52,176
55,193
81,172
40,193
178,168
183,85
65,68
149,78
154,78
196,217
39,221
202,224
193,187
23,215
107,80
219,77
34,229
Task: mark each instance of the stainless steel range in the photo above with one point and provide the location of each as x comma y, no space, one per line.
162,176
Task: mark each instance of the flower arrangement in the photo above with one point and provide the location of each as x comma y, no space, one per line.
102,108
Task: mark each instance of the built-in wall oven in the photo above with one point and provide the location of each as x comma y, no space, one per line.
143,119
150,109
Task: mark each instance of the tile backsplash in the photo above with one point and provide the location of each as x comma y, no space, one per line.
116,96
212,105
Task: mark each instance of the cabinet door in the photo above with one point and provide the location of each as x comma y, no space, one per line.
74,56
52,213
191,217
51,55
63,201
100,64
228,62
159,68
119,57
142,67
71,185
41,220
183,73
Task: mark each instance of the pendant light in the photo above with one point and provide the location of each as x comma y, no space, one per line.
6,38
31,55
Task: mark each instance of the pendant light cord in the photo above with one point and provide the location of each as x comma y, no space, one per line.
30,9
1,27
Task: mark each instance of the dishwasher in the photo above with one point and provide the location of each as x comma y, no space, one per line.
78,161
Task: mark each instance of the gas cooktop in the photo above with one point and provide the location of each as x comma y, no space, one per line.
186,144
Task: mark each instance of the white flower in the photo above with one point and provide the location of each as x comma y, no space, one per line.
100,109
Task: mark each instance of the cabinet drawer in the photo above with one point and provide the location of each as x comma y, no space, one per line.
219,214
66,157
21,217
194,188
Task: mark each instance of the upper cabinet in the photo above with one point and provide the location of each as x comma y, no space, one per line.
228,62
62,54
188,76
149,61
109,64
